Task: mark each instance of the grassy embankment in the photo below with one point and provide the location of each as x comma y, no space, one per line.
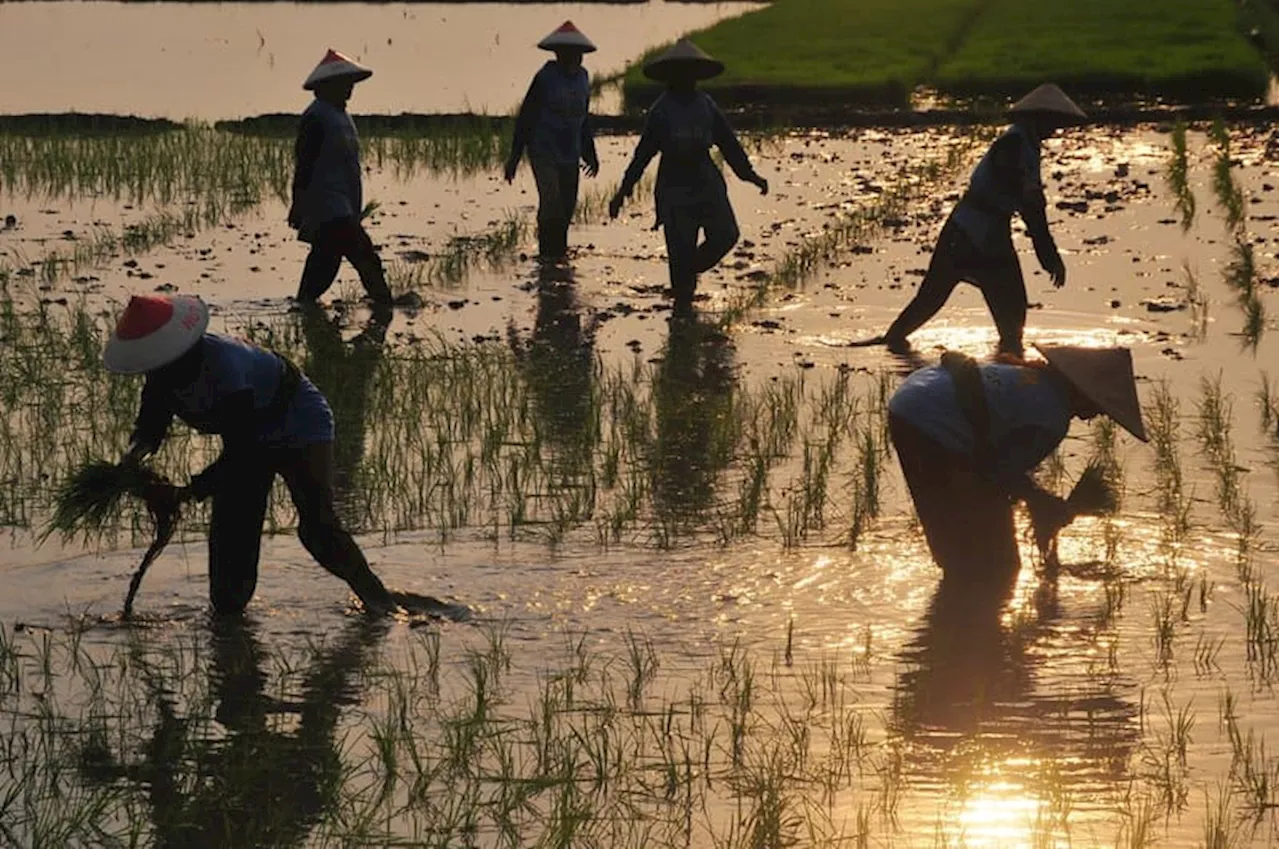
877,53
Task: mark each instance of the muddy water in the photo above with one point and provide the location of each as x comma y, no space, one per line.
231,60
1050,722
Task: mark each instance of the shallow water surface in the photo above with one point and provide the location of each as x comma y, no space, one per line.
230,60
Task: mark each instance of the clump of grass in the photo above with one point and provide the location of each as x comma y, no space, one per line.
89,499
1176,176
1095,492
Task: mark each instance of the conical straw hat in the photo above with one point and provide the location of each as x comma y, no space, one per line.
1051,99
684,60
1105,377
567,37
153,331
336,66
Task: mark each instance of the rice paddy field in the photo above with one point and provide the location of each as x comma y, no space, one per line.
703,612
886,52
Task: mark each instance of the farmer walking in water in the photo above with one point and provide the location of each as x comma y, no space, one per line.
327,193
690,194
553,126
968,437
975,244
272,420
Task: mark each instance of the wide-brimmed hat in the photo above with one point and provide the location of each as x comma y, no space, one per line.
1048,99
684,60
567,37
153,331
336,66
1105,377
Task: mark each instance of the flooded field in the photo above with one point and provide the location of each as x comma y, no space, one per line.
231,60
704,613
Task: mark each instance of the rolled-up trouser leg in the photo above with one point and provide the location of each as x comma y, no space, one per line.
308,470
680,227
321,268
557,194
967,522
1005,292
720,233
235,530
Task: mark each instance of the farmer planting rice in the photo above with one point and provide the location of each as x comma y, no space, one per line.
553,127
327,193
968,437
690,194
976,245
272,420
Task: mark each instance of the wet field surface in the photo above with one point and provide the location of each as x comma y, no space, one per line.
703,613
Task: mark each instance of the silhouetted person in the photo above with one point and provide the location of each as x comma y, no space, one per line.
328,197
690,195
554,126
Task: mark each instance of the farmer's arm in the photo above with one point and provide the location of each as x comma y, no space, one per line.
152,423
734,156
525,120
236,421
589,141
1019,453
306,150
646,149
1024,183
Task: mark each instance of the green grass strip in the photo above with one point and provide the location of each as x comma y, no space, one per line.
872,51
1189,50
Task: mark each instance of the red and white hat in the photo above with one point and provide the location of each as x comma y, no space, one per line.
336,66
567,37
153,331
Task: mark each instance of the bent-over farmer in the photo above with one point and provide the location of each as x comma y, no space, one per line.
327,192
968,437
554,127
976,245
272,420
690,194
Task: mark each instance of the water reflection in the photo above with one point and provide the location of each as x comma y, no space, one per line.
250,783
1003,714
344,372
560,367
693,393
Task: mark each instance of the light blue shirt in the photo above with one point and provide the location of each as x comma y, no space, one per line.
1028,409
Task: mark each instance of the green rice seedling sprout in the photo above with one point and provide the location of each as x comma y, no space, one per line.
1176,176
1225,188
1198,302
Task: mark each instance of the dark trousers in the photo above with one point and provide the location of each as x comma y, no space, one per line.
240,505
557,199
686,258
330,242
997,275
967,522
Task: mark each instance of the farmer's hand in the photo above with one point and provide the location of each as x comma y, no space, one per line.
1049,515
615,205
509,170
1057,272
591,167
135,455
761,183
295,217
163,499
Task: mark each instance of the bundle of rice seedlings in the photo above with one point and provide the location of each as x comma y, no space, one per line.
1095,492
88,499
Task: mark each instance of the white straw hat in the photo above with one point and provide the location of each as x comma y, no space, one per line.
153,331
335,66
683,60
567,37
1048,98
1105,377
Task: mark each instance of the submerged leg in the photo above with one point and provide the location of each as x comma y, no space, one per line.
680,228
235,531
721,233
321,268
359,249
1006,295
553,224
936,287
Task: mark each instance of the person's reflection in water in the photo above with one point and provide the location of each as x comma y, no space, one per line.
996,694
344,372
693,396
560,368
254,785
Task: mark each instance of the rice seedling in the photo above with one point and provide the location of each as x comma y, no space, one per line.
1176,176
1225,187
1198,302
1268,410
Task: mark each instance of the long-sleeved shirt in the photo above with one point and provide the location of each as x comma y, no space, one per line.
1028,410
554,121
326,180
683,129
1007,180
